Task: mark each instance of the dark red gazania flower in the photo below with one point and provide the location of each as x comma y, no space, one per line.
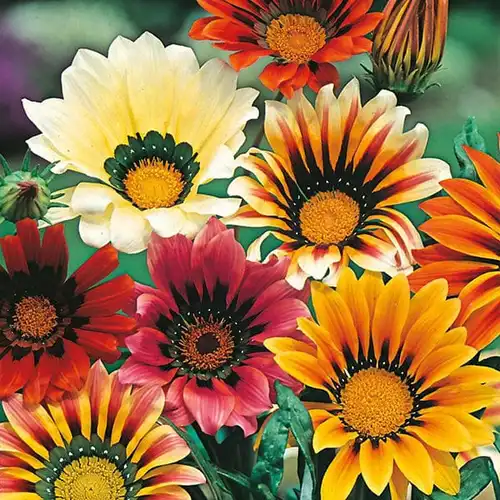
50,325
302,36
201,332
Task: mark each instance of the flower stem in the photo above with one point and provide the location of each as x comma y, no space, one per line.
260,135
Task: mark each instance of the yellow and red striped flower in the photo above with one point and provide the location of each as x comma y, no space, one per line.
466,226
102,443
329,188
401,397
50,326
302,36
408,45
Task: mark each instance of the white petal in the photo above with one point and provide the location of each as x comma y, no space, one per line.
222,166
60,214
194,224
211,205
166,222
254,249
90,199
130,231
94,230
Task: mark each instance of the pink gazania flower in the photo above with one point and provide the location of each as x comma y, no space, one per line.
201,332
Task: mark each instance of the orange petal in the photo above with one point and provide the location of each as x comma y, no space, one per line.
487,168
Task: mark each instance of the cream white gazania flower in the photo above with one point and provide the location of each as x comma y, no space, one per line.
152,127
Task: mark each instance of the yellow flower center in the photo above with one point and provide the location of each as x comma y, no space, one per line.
295,37
329,217
207,345
34,317
376,402
154,184
90,478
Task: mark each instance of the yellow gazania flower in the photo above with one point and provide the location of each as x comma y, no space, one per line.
102,443
329,188
152,126
392,368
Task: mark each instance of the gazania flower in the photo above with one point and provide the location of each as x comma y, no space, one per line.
466,226
50,325
408,45
401,399
201,332
152,127
302,36
329,187
102,444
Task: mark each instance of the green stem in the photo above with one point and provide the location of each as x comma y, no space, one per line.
260,135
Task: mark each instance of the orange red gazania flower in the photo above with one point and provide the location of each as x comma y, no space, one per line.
201,332
302,36
401,397
329,187
49,325
102,443
408,45
466,226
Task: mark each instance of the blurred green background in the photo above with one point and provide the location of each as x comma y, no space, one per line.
38,39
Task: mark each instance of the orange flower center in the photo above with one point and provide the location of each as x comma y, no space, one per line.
376,402
207,345
329,218
154,184
34,317
90,478
296,38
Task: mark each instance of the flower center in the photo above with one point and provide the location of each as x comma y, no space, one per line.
376,402
154,183
207,345
90,478
295,37
329,217
34,317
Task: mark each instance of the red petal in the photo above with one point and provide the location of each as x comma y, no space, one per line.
137,372
54,251
13,255
336,50
99,345
116,324
210,407
252,392
107,298
169,261
14,374
196,31
247,424
245,58
145,346
275,74
96,268
324,74
28,233
175,409
73,368
34,391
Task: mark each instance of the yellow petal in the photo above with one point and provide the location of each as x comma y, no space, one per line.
341,475
331,434
446,473
376,461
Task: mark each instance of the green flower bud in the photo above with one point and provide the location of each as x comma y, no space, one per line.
24,193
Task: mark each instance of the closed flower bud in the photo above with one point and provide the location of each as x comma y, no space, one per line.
408,46
24,193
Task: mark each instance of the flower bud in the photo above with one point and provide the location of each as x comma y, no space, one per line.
24,193
408,46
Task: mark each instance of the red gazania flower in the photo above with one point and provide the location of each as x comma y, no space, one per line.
466,227
50,325
201,332
302,36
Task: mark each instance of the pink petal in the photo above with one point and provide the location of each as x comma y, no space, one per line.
224,262
266,364
175,409
149,307
136,372
247,424
210,407
145,346
252,392
280,319
169,261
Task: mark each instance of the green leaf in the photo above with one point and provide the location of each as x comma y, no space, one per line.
469,136
301,426
307,487
269,466
497,441
217,486
25,167
475,476
260,491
